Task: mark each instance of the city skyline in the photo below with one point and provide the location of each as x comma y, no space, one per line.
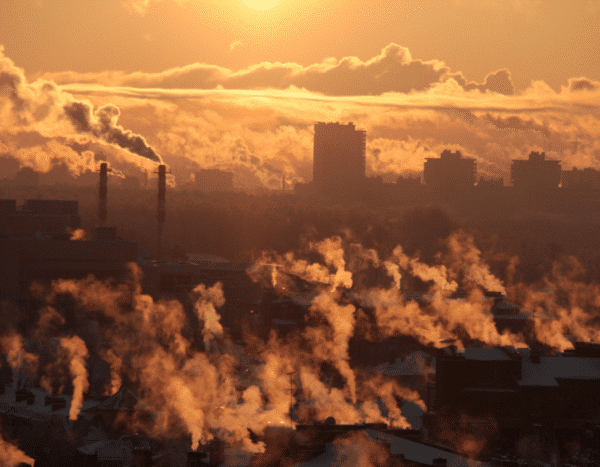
250,109
166,298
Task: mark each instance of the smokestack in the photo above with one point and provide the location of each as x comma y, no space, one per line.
103,190
162,189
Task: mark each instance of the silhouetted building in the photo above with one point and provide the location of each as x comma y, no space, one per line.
339,157
36,246
9,166
581,179
536,173
210,180
451,171
27,177
490,183
523,388
409,183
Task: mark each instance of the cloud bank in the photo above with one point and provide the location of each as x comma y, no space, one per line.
258,122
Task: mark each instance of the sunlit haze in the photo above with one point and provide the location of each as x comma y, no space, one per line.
299,232
260,4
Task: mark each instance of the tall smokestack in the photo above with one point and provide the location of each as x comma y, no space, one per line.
162,189
102,192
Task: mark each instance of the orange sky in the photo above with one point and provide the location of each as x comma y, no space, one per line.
215,84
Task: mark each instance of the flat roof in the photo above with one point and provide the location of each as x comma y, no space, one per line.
496,354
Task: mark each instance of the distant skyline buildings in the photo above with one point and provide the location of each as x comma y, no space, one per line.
536,172
339,166
450,171
339,156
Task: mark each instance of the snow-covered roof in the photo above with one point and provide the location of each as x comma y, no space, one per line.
38,410
123,399
494,354
422,453
411,450
304,298
551,369
414,364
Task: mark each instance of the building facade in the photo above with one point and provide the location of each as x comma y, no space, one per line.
450,171
581,179
535,173
339,156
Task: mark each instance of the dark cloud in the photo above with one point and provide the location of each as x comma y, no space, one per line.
516,123
499,81
583,84
393,70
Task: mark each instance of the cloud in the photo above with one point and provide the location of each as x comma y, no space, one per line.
258,122
499,81
583,84
393,70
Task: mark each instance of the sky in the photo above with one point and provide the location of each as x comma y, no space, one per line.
221,84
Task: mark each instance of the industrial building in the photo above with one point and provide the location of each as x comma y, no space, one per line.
339,156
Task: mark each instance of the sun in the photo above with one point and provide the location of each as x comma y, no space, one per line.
260,4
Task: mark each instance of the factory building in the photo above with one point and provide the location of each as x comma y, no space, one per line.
536,173
339,157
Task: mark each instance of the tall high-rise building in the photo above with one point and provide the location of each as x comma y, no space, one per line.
535,173
450,171
339,156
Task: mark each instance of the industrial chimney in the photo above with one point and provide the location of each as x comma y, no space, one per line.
102,192
162,188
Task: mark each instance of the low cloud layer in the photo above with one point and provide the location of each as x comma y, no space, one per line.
393,70
258,122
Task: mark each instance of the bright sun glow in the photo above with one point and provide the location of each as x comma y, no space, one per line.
260,4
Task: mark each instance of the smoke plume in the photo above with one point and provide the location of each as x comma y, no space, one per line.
41,109
78,353
11,456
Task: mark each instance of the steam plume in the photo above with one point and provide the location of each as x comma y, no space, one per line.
42,106
208,299
11,456
77,352
102,123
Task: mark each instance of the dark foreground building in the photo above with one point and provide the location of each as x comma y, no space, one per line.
540,406
37,244
339,157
